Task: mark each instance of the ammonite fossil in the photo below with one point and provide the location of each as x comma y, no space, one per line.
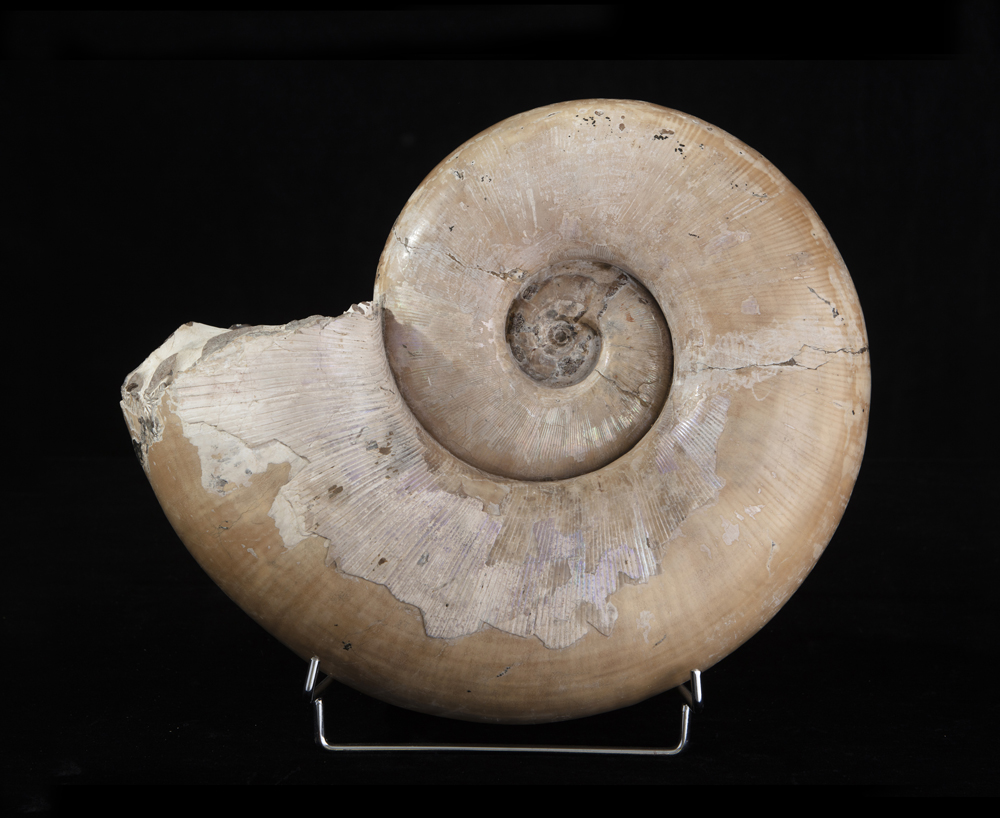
599,421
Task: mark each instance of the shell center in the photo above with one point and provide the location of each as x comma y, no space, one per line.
553,329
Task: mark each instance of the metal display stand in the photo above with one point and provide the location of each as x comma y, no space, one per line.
692,701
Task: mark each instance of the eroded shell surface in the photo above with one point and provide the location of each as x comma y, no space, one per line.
600,420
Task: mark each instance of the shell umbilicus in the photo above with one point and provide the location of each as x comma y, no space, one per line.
600,420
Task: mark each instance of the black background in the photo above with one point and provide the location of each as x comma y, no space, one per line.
140,195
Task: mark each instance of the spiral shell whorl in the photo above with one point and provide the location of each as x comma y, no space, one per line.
477,279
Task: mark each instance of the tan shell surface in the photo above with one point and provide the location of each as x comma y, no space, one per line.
329,473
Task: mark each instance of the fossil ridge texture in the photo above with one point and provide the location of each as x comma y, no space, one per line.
599,421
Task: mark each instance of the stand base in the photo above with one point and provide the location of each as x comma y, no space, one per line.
692,698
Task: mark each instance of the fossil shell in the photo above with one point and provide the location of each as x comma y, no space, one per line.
600,420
